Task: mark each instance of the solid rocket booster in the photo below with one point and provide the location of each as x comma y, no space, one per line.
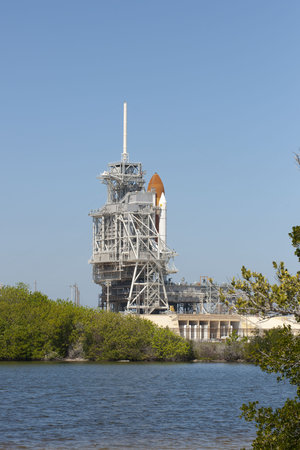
163,219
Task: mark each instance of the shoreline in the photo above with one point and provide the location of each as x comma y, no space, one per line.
126,361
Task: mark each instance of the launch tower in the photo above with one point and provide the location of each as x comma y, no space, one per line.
130,257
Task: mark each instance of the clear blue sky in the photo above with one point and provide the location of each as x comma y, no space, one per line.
213,92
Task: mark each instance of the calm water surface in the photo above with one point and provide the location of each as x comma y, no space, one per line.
138,406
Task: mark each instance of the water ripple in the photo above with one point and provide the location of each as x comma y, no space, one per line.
136,406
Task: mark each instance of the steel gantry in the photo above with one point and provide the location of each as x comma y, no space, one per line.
130,259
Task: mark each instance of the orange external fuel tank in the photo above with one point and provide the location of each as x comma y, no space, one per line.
158,186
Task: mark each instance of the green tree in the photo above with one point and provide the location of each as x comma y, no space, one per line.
277,351
258,296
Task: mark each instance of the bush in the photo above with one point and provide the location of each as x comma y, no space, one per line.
111,336
209,351
231,350
170,347
33,327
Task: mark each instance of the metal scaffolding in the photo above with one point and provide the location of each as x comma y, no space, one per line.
201,298
130,260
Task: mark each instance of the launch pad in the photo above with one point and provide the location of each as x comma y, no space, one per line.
131,260
130,256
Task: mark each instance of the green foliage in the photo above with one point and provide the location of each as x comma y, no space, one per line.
33,327
295,236
209,351
111,336
276,351
236,348
234,337
168,346
277,429
230,350
258,296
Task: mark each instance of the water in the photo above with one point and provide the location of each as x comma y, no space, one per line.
136,406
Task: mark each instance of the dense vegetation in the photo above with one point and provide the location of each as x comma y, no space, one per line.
33,327
232,350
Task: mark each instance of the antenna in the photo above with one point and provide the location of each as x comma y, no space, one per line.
125,154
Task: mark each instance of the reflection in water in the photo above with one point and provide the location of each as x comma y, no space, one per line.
165,406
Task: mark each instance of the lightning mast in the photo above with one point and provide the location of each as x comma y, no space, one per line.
130,257
124,154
